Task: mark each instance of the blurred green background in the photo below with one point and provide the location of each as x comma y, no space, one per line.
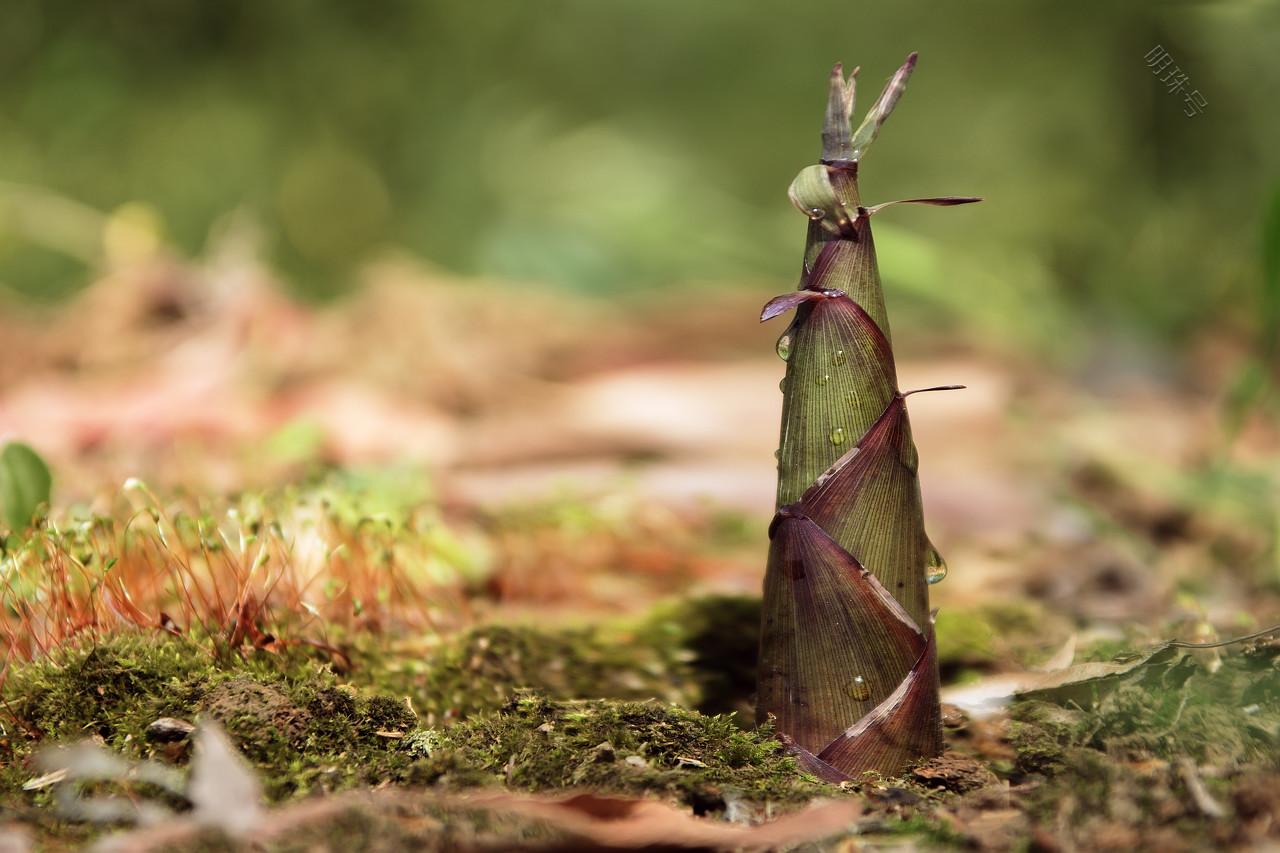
625,146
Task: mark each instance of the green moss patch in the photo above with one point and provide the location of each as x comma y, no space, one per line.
600,714
699,653
286,713
537,744
481,670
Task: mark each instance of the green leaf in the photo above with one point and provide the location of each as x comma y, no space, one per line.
880,110
851,267
837,143
25,483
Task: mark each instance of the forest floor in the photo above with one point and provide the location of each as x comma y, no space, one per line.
467,567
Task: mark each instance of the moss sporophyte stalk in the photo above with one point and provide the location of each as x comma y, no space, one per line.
848,663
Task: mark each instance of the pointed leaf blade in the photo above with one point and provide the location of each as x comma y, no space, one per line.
812,764
779,305
937,201
837,138
883,107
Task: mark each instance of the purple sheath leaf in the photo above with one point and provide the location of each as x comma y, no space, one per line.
851,267
840,377
869,501
834,641
784,303
900,730
812,764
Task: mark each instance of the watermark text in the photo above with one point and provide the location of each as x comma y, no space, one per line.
1175,80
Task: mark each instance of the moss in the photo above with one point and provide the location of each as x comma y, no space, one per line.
105,690
983,637
699,653
924,831
1040,732
965,639
538,744
716,638
482,668
261,718
286,713
305,731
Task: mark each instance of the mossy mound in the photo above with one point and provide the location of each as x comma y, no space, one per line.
286,713
994,635
716,639
306,732
106,690
537,744
699,653
481,669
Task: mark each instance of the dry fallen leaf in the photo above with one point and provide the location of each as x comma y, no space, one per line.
591,822
1080,683
223,790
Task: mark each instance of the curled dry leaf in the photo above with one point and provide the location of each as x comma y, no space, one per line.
1082,684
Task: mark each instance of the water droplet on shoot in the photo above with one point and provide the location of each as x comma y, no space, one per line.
823,379
782,385
816,213
777,454
935,568
838,358
784,347
837,435
859,689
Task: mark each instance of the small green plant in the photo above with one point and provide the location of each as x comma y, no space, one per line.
25,483
848,663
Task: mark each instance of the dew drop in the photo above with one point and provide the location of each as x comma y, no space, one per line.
935,568
837,435
784,347
777,454
823,379
816,213
838,358
859,689
782,385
